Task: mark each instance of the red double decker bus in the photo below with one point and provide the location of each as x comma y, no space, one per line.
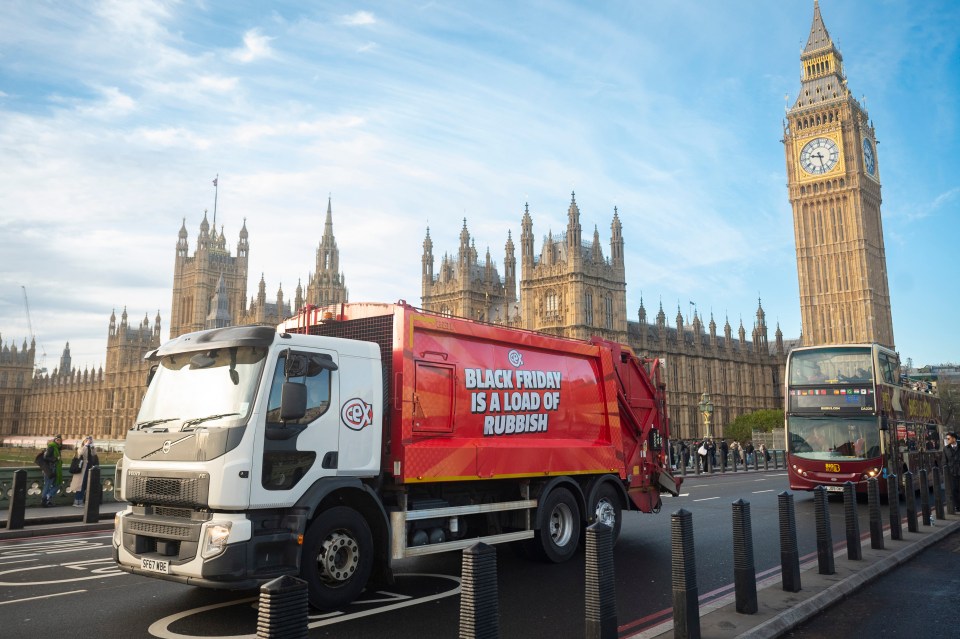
849,417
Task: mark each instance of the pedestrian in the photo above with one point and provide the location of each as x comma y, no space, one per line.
712,450
702,452
88,459
724,449
684,453
764,455
748,449
52,471
951,465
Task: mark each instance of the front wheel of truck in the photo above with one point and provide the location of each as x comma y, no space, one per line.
337,557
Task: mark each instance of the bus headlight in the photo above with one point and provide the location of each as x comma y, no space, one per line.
215,539
873,472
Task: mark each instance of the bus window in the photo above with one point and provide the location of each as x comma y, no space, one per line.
834,437
933,437
888,368
831,366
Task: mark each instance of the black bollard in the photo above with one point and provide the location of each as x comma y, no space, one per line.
711,467
854,551
683,468
93,497
938,494
824,536
686,604
924,496
876,519
479,605
282,609
696,465
893,499
766,460
948,499
18,501
776,461
744,571
789,554
601,591
911,499
723,463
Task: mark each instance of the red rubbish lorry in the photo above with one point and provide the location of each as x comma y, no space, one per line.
352,436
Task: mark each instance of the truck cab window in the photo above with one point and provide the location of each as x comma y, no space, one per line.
318,395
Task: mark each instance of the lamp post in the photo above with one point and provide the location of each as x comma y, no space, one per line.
706,409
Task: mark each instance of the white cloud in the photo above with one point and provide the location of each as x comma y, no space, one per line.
359,19
255,47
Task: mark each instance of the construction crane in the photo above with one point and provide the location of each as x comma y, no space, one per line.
40,368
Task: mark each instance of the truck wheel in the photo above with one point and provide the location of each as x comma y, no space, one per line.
607,509
559,533
337,557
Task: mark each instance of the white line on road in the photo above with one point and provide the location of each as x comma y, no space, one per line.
706,499
756,492
56,594
683,495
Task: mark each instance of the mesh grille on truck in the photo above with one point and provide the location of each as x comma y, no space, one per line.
153,529
171,491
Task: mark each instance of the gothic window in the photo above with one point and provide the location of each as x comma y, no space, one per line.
550,303
445,310
588,307
608,313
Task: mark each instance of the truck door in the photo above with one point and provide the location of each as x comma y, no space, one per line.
294,454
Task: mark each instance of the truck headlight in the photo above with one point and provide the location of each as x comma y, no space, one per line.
215,539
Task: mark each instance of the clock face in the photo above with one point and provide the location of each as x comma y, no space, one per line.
819,156
869,157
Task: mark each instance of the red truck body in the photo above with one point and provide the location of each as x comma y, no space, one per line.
470,401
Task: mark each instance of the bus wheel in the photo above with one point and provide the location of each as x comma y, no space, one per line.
607,509
559,532
337,557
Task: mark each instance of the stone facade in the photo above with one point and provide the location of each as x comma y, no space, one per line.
102,402
570,288
833,179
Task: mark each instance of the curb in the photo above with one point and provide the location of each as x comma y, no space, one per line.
60,527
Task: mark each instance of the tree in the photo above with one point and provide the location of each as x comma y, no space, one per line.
743,426
949,403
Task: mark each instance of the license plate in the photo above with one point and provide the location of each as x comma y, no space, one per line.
155,565
834,489
832,468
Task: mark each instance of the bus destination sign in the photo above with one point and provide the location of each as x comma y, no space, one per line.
832,399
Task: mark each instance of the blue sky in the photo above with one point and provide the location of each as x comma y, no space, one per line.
116,116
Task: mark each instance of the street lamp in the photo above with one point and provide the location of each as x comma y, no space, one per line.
706,409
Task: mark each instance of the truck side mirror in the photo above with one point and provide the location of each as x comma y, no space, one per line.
293,401
151,373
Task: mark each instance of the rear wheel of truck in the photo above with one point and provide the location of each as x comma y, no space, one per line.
607,509
337,557
559,533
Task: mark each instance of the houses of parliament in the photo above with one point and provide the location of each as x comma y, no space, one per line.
566,285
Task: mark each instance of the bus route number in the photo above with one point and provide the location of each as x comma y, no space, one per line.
832,468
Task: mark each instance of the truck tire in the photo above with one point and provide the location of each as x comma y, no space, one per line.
337,557
606,508
559,533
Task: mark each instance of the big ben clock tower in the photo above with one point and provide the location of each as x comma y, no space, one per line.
833,175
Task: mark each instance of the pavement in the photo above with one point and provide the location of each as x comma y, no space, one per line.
58,520
778,612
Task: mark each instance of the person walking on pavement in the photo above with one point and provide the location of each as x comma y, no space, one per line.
52,471
724,449
748,449
951,465
88,459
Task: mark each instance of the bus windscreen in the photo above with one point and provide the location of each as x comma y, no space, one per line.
828,366
834,438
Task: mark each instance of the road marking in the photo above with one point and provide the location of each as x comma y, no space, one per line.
161,627
706,499
56,594
108,569
683,495
757,492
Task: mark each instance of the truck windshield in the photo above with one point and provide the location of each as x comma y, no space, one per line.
213,388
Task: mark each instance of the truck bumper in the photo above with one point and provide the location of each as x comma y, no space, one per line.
256,552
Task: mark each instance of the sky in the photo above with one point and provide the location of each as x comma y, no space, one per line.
116,116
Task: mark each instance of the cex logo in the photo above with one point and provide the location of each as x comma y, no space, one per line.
356,414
